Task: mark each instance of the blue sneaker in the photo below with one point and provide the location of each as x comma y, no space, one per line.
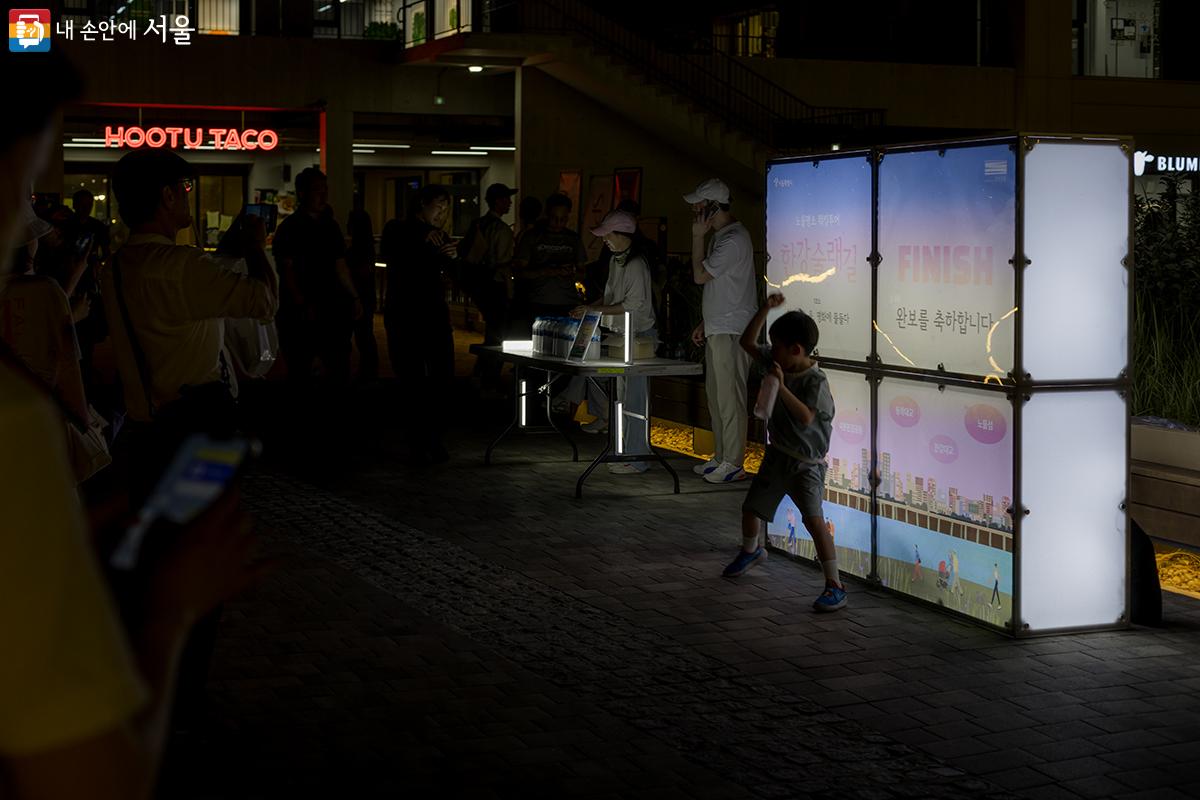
831,599
743,562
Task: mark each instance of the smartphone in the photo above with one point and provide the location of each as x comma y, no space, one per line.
202,470
83,243
710,210
266,212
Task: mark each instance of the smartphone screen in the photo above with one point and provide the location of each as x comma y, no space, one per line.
83,243
201,471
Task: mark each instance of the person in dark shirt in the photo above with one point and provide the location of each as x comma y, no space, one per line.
420,340
546,265
318,304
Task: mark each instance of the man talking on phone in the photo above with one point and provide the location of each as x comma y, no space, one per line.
726,271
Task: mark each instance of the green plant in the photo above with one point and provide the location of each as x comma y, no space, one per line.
418,27
1166,358
382,30
1166,328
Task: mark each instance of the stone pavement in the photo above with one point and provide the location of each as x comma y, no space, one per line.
467,631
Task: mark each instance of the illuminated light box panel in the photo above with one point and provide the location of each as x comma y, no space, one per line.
947,236
847,504
1076,228
983,288
945,497
819,242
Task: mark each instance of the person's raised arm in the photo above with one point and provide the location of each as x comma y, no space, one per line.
749,340
254,250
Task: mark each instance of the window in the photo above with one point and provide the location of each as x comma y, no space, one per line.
1117,38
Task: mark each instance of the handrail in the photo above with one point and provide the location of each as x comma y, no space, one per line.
724,86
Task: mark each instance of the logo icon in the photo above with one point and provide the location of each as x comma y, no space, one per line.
29,30
1140,159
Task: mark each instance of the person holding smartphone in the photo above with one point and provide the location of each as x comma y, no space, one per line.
85,705
726,271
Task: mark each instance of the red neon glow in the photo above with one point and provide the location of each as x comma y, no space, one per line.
193,138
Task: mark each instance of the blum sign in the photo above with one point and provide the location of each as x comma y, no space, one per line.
191,138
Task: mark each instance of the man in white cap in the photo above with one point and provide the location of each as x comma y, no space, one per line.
726,271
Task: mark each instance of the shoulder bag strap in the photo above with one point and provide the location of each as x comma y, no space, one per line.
139,355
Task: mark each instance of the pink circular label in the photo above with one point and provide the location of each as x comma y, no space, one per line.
943,448
985,423
905,411
852,427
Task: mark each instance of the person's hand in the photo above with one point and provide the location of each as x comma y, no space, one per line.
777,371
449,250
775,300
700,226
698,335
436,237
578,312
210,563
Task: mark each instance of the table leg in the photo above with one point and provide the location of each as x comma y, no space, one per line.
550,417
487,456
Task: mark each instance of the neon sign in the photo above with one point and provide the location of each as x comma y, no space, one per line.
134,137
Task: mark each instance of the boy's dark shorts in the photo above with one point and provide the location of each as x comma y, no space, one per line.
781,475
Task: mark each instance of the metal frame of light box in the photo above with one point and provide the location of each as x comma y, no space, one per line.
1018,387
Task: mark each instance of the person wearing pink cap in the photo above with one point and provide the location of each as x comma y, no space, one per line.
726,271
628,291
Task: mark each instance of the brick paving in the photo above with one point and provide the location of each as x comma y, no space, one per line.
475,631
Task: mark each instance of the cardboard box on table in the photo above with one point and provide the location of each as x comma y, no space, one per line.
973,299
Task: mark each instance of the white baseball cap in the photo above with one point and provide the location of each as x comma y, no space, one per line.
616,222
713,189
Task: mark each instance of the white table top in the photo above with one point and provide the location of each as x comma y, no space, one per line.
522,353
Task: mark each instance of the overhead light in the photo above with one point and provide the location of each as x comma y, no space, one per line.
457,153
383,146
438,100
324,8
835,147
495,147
474,68
362,152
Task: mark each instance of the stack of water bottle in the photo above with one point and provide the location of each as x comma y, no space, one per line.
553,336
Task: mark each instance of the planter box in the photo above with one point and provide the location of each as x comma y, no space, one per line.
1165,447
1165,483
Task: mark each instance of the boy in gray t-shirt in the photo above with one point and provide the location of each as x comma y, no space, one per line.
799,428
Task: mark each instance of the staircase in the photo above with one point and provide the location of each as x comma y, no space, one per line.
706,102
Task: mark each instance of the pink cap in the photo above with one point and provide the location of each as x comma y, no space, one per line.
616,222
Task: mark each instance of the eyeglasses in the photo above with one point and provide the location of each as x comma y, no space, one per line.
188,183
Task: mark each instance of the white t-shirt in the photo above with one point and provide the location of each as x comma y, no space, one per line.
730,298
629,285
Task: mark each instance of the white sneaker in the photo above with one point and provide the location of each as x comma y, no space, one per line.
628,467
726,473
706,467
595,426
